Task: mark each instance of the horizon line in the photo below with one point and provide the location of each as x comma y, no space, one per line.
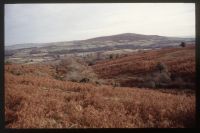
189,36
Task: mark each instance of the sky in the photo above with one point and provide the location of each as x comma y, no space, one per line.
43,23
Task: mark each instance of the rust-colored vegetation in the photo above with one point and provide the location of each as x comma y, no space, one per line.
135,68
34,98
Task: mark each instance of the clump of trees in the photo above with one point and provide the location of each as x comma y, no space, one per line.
91,59
76,70
161,67
160,77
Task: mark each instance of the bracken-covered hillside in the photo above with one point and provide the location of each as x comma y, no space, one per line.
34,98
129,70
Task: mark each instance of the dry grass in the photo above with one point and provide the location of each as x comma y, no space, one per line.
34,101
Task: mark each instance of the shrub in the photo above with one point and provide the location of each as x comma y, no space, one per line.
85,80
164,77
16,72
182,44
111,56
159,78
91,63
150,84
161,67
115,84
173,77
100,82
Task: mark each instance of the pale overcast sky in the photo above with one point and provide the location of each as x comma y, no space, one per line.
35,23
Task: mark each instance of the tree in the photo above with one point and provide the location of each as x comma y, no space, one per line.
111,56
76,70
182,44
161,67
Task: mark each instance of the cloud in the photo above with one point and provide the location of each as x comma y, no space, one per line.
35,23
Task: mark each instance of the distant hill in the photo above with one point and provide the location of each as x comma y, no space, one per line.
25,45
126,36
106,45
129,40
